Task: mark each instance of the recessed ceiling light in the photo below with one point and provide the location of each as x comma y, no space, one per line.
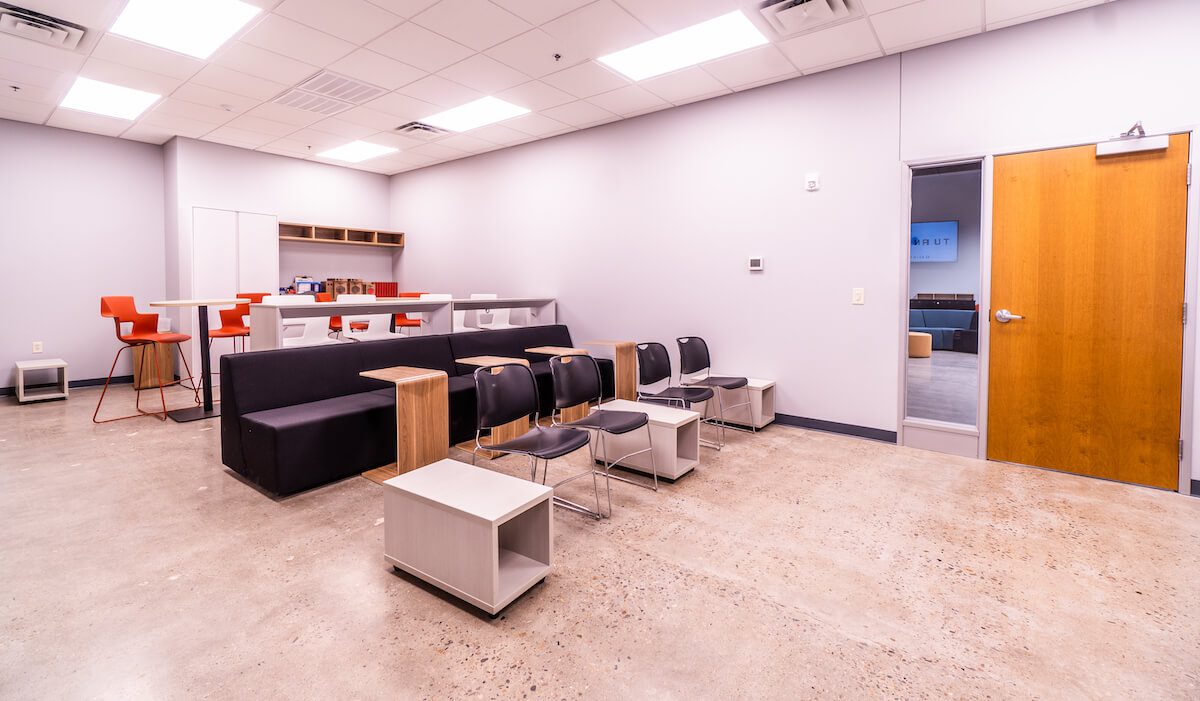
88,95
193,27
481,112
356,151
721,36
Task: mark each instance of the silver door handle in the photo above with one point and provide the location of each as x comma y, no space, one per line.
1004,316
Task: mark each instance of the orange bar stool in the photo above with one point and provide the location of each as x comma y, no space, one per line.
403,320
123,310
233,321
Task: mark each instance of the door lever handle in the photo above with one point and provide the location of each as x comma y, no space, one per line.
1004,316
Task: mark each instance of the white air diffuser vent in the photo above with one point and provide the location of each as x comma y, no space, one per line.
790,17
339,87
43,29
420,130
298,99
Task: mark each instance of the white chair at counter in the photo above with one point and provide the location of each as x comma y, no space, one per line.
377,324
500,317
460,317
316,328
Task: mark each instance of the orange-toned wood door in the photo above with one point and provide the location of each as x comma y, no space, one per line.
1090,251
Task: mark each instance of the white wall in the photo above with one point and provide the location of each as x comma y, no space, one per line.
323,261
81,216
949,197
642,228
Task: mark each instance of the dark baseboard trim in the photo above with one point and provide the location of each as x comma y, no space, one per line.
93,382
1196,488
875,434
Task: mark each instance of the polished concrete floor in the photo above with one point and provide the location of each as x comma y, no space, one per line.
944,387
794,564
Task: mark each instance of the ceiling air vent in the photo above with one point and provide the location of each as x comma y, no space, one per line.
35,26
420,130
339,87
298,99
796,16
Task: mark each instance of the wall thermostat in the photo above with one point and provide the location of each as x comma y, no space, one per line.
756,264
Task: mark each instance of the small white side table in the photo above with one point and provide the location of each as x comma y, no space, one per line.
60,392
482,536
676,435
762,404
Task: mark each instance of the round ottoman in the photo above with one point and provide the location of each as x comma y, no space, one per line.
920,344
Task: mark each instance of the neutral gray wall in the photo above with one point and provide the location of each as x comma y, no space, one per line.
946,197
81,216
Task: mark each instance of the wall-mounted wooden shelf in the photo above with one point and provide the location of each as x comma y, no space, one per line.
312,233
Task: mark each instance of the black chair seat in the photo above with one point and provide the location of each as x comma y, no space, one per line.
686,394
545,443
722,382
616,422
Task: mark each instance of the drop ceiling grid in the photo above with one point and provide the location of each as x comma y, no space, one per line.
227,99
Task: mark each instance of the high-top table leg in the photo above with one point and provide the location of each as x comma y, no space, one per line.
206,411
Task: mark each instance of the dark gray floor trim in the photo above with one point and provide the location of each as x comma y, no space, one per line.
1196,488
95,381
875,434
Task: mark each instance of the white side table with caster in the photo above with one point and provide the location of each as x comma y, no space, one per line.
61,391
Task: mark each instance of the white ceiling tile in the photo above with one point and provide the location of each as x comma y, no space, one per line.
484,74
1003,13
24,110
420,47
283,36
25,51
702,96
540,11
128,76
251,60
844,42
875,6
319,140
753,66
579,114
499,134
211,97
342,127
586,79
260,125
598,29
469,144
238,137
380,121
355,21
395,140
533,53
83,121
439,91
288,115
404,8
223,78
402,108
183,126
475,23
201,113
376,69
926,22
33,83
682,85
436,151
290,147
536,124
536,95
628,100
148,134
134,53
666,17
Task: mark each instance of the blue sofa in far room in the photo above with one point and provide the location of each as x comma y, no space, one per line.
942,323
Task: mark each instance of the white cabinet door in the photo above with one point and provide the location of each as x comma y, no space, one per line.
214,273
258,253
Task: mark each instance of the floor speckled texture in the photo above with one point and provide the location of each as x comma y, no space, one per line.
794,564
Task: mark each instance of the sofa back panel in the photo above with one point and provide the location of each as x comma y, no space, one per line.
431,352
288,376
509,343
915,318
947,318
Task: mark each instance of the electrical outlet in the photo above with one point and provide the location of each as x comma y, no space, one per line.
858,296
37,346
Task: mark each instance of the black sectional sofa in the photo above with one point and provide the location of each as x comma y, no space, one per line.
297,418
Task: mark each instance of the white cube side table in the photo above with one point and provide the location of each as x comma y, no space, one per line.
762,404
61,391
482,536
675,433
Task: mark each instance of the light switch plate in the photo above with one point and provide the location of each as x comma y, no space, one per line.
37,346
812,182
858,295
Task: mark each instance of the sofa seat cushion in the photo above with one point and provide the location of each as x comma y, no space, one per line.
318,442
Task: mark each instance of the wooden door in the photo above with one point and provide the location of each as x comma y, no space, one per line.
1091,252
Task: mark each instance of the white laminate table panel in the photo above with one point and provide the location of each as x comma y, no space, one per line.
486,495
657,413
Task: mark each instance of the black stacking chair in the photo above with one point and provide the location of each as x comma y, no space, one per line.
577,380
694,359
654,366
507,392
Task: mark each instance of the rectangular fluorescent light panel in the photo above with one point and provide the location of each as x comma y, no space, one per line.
481,112
357,151
88,95
721,36
193,27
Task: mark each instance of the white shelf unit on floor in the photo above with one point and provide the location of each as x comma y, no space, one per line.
762,404
676,436
61,389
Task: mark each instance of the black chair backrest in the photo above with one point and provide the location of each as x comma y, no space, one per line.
654,365
576,380
504,393
693,355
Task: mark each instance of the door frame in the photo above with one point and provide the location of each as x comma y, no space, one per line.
1187,432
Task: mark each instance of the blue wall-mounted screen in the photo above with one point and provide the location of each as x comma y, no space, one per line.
934,242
